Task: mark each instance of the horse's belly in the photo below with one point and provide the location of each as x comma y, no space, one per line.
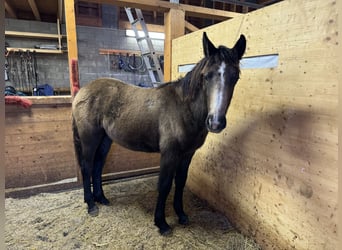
138,146
134,138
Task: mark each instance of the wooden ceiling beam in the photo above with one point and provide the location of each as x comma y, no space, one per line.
242,3
34,9
10,10
190,26
125,25
164,6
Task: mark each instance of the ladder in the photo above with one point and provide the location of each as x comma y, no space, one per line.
146,47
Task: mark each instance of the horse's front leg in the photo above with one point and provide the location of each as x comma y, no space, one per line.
180,180
168,163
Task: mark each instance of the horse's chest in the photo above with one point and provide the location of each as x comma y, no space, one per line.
195,141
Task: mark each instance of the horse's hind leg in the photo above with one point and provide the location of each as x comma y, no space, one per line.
86,167
99,161
90,144
180,180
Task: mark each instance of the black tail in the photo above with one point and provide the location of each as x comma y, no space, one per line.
77,142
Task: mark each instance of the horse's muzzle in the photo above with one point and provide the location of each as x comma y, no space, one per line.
215,125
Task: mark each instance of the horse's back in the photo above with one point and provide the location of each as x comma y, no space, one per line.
128,114
99,87
96,100
98,95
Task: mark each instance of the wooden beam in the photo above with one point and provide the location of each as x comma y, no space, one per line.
59,34
242,3
46,51
70,23
10,10
31,34
125,25
60,10
190,27
174,22
123,52
163,6
34,9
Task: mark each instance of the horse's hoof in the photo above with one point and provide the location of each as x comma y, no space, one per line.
165,231
183,220
164,228
93,211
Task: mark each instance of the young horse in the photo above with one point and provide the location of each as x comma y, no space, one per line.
173,119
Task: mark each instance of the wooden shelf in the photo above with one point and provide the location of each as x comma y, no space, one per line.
47,51
58,37
122,51
33,35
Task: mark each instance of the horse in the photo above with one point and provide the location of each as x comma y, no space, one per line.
172,119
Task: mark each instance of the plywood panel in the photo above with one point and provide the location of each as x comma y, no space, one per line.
273,170
39,147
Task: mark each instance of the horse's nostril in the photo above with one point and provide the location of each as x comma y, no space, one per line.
209,121
215,125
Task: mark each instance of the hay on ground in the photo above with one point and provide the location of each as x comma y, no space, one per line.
60,221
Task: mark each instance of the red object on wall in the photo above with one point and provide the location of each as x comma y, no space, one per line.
74,77
18,100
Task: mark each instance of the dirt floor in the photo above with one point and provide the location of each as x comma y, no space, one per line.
60,221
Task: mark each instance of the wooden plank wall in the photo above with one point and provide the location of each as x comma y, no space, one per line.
39,149
273,171
38,143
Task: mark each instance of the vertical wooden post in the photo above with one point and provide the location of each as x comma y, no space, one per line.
174,23
70,22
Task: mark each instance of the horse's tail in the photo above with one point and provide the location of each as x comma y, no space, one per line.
77,142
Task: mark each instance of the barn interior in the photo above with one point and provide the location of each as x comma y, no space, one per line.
272,173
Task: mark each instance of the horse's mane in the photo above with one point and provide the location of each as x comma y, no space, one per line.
193,80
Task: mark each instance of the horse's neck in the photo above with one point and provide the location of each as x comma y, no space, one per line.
199,106
196,102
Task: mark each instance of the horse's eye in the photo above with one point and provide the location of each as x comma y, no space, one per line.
235,77
209,75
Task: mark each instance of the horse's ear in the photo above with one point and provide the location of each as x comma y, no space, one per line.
240,46
208,47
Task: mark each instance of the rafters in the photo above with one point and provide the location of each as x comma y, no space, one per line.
10,10
242,3
164,6
34,9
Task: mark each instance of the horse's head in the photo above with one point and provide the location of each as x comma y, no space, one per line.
220,73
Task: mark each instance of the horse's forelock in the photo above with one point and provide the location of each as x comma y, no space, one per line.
193,80
228,55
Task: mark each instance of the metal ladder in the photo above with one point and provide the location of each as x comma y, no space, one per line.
146,47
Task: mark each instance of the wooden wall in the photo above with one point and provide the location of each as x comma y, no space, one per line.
273,171
39,149
38,143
